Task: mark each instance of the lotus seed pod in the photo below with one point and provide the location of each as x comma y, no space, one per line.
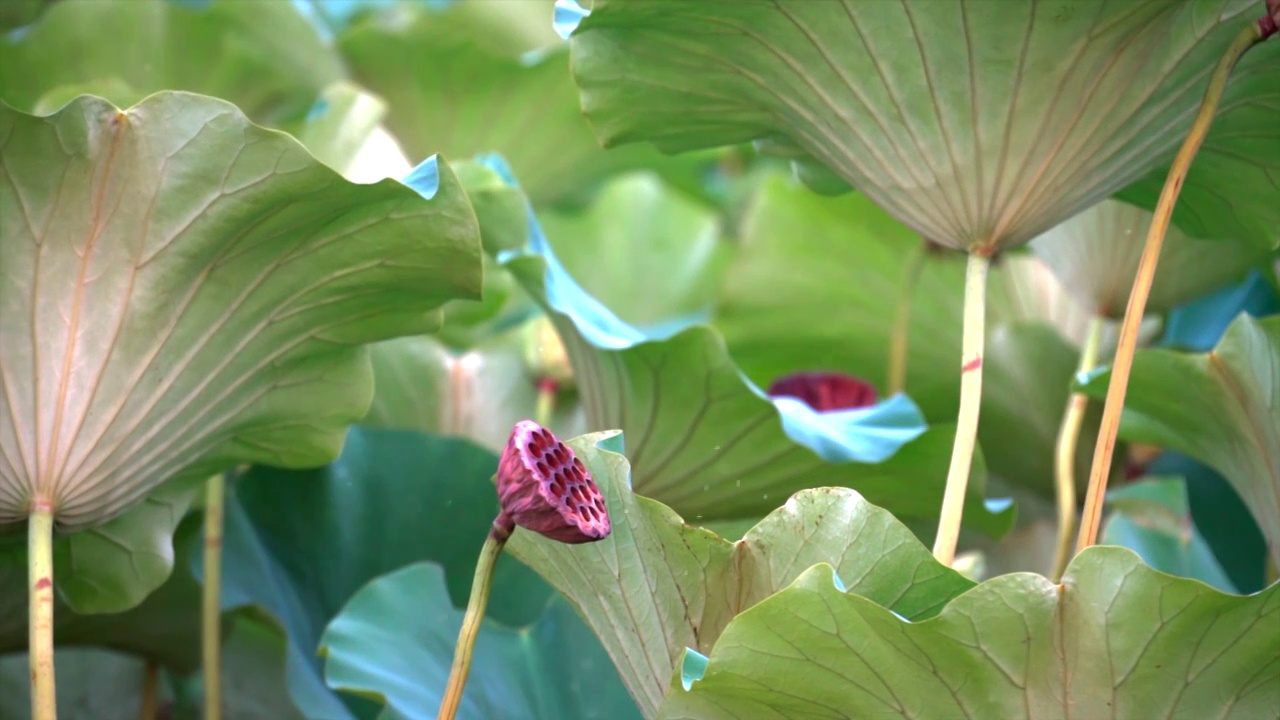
544,487
825,391
544,354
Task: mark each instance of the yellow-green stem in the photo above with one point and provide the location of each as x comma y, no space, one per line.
896,381
498,535
150,691
44,700
211,604
971,356
1065,455
1103,452
546,402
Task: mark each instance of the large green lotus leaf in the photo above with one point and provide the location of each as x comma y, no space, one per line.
1096,254
1115,639
184,291
452,93
162,627
266,57
111,567
646,252
1152,518
1220,407
709,442
478,394
657,585
814,284
975,123
300,544
1231,188
394,641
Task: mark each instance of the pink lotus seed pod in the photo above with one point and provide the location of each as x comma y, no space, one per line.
825,391
543,487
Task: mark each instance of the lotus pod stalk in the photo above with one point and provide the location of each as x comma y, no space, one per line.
542,487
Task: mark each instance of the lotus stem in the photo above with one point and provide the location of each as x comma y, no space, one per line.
44,699
211,602
1122,365
480,585
1065,453
150,691
975,310
896,380
547,389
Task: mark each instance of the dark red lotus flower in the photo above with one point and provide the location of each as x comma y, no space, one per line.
825,391
543,487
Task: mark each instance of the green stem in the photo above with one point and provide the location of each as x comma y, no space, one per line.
44,699
150,691
899,335
971,356
1122,365
547,389
493,544
1065,455
211,603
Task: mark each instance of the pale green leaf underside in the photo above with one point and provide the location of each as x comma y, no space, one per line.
1231,188
182,290
657,585
1222,408
975,122
112,567
1096,254
1115,640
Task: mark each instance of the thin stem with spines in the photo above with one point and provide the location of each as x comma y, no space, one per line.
1064,475
211,602
1122,365
474,616
44,699
150,691
971,357
899,336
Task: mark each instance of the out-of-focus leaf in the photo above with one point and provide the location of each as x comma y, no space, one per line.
646,252
263,56
1199,324
452,92
478,394
194,292
976,124
1221,518
1115,639
657,585
1222,408
1096,254
93,684
339,124
395,641
1151,518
